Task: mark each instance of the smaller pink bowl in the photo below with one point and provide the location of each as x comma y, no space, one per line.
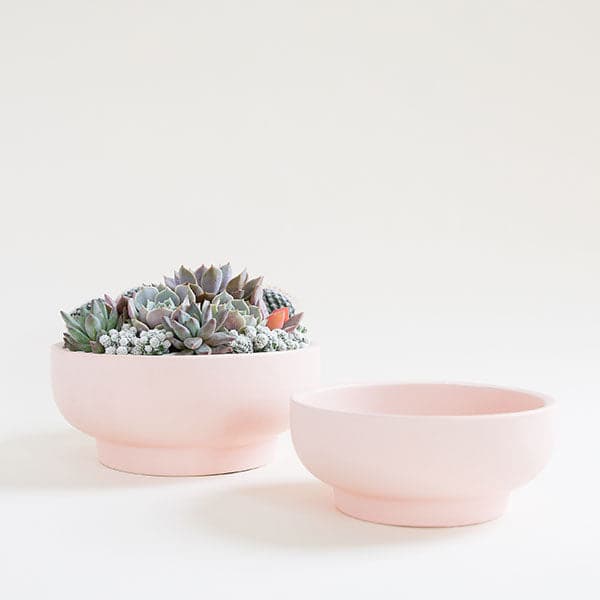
422,455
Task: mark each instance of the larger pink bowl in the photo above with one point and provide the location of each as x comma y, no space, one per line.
182,415
422,454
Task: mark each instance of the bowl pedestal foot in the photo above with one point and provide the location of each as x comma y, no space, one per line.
184,461
421,512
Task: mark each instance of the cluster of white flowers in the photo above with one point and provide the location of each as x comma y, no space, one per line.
131,341
263,339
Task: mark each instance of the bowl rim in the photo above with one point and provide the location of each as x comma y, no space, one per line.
58,347
300,400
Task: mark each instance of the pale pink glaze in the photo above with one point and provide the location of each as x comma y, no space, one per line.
182,415
422,454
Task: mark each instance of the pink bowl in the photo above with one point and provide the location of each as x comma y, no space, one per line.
182,415
424,455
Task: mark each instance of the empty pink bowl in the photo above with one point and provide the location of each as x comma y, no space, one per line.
422,455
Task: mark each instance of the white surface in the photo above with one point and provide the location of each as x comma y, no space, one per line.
424,176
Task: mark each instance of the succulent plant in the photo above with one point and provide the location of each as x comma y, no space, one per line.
280,319
241,313
131,341
207,282
150,305
206,311
199,329
242,344
275,299
263,339
76,312
87,324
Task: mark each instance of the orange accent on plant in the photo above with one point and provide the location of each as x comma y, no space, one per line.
278,317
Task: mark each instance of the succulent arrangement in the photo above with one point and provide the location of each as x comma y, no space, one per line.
202,311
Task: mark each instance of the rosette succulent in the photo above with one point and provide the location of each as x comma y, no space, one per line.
199,329
241,313
150,305
86,324
207,282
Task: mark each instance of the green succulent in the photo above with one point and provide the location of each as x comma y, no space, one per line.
207,282
197,329
86,324
241,313
150,305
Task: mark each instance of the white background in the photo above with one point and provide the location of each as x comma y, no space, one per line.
422,176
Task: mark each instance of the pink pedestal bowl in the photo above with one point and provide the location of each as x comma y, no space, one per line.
182,415
422,455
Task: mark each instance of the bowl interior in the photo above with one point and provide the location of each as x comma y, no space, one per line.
423,399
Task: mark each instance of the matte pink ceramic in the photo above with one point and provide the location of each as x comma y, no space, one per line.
423,455
182,415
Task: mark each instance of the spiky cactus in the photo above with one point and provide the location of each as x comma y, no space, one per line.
275,299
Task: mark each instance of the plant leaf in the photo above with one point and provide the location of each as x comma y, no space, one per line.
291,324
208,328
78,336
99,310
155,316
234,321
179,330
252,285
139,325
226,272
177,344
236,285
193,343
199,272
92,326
193,325
204,349
146,293
206,311
222,350
216,339
113,317
170,282
96,347
186,276
168,294
70,321
221,317
211,280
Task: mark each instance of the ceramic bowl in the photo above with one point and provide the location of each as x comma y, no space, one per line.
182,415
422,454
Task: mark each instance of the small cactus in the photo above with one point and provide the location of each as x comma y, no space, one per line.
275,299
131,341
